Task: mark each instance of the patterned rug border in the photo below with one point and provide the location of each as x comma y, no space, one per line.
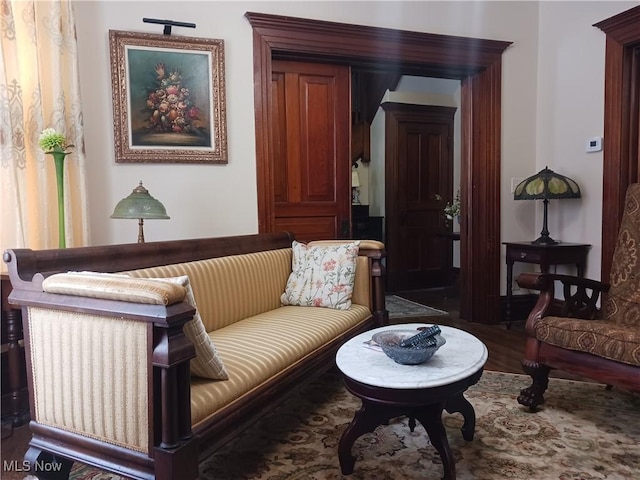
409,308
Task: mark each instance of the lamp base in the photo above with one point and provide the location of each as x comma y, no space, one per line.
544,240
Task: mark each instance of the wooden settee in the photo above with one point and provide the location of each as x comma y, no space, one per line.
109,380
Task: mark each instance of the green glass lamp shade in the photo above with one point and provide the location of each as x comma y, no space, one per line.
544,185
140,204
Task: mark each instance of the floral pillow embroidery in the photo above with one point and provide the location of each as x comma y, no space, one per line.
322,275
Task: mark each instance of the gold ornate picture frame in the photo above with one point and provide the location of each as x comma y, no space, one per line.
168,98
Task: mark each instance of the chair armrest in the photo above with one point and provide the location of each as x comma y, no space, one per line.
579,300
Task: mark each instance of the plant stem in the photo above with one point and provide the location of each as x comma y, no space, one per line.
58,158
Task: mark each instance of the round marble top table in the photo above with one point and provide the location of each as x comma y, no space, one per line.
421,392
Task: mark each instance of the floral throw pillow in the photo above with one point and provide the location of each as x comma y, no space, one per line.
322,275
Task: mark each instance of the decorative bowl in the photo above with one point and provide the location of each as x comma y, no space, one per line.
390,340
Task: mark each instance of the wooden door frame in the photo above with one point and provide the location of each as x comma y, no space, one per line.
476,62
619,158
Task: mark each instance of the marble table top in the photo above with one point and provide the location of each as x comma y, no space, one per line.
460,357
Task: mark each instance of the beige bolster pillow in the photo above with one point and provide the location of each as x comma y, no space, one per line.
115,287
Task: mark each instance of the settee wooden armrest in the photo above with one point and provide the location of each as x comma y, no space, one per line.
92,330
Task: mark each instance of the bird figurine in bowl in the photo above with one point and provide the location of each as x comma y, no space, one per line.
408,348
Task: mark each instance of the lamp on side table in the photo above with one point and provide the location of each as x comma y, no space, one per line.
140,204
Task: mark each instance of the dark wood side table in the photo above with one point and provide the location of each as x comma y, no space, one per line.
545,256
367,228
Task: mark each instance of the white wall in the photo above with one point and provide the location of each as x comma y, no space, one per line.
570,110
210,200
213,200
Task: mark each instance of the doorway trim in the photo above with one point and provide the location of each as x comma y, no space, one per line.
621,156
476,62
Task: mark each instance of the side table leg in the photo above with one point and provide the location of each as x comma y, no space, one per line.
365,420
462,405
509,290
431,419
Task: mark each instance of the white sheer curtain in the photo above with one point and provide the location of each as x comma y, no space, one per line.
39,89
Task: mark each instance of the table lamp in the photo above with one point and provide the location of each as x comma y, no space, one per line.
140,204
546,184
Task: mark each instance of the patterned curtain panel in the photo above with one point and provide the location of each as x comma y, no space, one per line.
39,89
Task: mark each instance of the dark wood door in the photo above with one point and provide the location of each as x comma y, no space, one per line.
311,141
418,182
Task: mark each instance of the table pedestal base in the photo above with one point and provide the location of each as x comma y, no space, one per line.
424,405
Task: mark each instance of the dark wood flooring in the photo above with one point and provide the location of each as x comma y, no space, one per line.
506,348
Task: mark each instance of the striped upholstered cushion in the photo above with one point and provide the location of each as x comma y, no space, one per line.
232,288
114,287
265,345
229,289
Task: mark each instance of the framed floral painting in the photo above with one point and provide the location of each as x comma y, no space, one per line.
168,98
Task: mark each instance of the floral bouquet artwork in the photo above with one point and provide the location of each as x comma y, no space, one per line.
55,144
169,99
169,103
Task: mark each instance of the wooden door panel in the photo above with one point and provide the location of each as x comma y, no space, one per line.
419,170
308,228
311,178
421,265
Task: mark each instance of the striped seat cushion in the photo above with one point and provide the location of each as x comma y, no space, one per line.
263,346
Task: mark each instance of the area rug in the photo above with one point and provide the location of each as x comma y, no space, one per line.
582,432
399,307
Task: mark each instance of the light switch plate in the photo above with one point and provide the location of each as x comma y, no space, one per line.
594,144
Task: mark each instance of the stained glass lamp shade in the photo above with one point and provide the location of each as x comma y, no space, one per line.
545,185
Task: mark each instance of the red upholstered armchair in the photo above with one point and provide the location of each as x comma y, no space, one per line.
574,335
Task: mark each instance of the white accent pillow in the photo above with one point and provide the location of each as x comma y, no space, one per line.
322,275
207,363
